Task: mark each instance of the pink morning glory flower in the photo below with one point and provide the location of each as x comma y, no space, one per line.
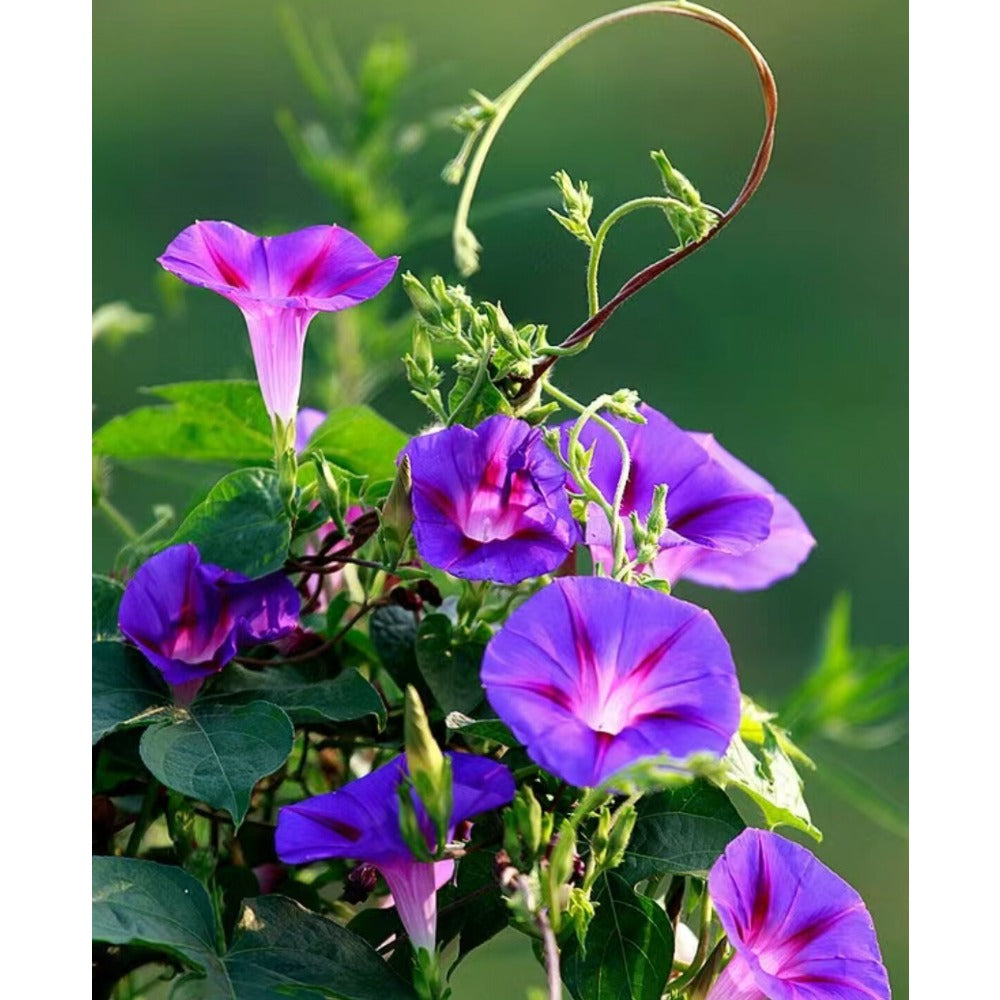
592,675
490,503
361,821
189,618
799,930
726,525
279,283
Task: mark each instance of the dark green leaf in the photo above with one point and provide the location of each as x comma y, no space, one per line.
474,909
217,753
106,595
357,439
241,525
393,632
281,949
630,947
162,907
207,422
450,668
344,698
124,688
682,831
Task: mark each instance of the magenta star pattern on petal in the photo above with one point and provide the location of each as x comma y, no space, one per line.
594,675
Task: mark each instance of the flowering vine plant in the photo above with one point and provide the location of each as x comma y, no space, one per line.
377,698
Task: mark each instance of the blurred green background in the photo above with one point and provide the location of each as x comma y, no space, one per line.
786,337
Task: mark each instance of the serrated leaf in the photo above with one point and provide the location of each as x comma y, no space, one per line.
105,596
241,524
450,667
160,906
217,753
681,831
125,689
221,421
357,439
340,699
770,779
630,947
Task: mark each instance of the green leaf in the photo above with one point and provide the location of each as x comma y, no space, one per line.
357,439
206,422
393,632
279,948
217,753
483,729
629,947
853,696
305,700
241,525
450,667
106,595
681,831
125,689
162,907
469,404
770,779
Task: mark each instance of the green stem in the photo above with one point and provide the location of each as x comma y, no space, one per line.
677,986
597,246
144,818
117,518
611,510
464,241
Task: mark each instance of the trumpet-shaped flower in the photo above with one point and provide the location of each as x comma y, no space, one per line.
361,821
799,930
594,675
490,503
726,526
279,283
189,618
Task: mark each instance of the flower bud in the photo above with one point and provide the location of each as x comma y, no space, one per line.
397,514
422,300
619,836
429,769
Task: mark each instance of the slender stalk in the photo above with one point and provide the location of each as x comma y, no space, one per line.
464,241
611,510
551,955
684,980
143,819
597,247
117,519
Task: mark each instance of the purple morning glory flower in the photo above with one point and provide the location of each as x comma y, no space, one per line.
279,284
726,526
778,556
490,503
306,422
593,675
361,821
189,618
799,930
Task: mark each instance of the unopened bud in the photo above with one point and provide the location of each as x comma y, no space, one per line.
429,769
619,836
397,513
563,852
422,300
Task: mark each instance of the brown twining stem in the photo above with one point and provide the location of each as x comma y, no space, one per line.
758,168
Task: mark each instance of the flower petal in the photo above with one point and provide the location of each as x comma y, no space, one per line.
592,675
802,930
